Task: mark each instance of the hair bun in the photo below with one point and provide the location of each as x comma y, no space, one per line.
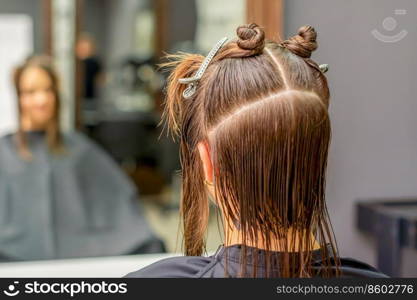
251,37
304,43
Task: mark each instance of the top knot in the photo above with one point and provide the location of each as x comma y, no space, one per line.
251,37
304,43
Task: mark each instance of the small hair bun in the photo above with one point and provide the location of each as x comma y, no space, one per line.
304,43
251,37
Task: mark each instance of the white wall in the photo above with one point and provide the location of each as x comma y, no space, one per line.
16,40
373,108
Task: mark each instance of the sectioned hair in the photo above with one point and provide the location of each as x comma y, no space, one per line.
262,108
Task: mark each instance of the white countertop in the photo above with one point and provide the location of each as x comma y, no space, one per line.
115,266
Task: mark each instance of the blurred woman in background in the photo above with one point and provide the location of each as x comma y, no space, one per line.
61,195
254,131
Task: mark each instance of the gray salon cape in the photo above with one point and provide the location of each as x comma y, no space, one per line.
74,204
214,266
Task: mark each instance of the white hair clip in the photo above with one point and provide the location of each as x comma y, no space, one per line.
324,68
193,81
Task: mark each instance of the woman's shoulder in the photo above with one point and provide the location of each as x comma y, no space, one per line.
77,138
7,145
78,143
214,266
7,137
351,267
175,267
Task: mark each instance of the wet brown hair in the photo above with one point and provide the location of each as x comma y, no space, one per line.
262,108
53,134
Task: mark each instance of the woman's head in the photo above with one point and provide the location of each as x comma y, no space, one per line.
258,128
36,85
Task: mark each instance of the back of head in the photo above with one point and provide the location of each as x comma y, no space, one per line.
262,109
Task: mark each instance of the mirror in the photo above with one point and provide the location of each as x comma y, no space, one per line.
115,187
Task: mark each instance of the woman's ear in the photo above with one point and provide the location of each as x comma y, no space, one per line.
204,151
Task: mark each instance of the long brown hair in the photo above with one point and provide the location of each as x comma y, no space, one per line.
262,107
53,133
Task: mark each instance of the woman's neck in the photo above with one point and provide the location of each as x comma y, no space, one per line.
28,125
291,242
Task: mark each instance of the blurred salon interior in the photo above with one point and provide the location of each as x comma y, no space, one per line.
89,180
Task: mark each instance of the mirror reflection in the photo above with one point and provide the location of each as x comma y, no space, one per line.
86,170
